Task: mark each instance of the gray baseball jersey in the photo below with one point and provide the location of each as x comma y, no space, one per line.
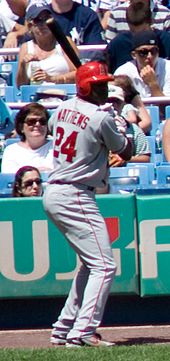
83,134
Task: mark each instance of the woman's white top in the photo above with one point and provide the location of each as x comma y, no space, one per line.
54,64
15,157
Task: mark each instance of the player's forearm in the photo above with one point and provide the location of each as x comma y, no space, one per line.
127,152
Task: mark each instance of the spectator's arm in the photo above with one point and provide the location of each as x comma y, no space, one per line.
13,36
166,139
143,115
18,7
21,77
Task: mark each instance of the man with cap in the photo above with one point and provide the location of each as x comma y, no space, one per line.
139,18
149,73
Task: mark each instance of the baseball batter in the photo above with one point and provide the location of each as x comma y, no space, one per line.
83,135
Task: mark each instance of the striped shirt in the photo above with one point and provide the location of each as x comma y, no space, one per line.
117,21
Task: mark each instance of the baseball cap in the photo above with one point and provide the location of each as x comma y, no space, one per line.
115,92
34,10
147,37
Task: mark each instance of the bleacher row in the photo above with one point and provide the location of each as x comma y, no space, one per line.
134,176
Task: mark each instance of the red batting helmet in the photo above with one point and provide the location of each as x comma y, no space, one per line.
91,72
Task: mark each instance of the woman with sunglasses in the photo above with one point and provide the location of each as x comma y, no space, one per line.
41,59
34,147
27,183
149,73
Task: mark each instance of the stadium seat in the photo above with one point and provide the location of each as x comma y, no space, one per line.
8,70
153,111
28,92
150,169
151,140
6,123
167,111
12,94
10,141
163,175
6,184
128,178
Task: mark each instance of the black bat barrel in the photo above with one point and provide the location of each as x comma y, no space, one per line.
63,41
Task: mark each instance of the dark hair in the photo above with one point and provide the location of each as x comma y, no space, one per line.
126,84
31,108
139,12
16,191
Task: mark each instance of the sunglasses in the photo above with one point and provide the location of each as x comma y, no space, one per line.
32,121
29,183
143,53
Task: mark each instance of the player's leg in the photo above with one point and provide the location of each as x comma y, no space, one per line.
71,308
51,201
87,234
96,253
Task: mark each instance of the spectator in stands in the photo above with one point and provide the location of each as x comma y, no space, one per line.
7,26
139,18
149,73
134,109
117,20
141,150
27,182
78,21
166,139
34,148
53,65
101,7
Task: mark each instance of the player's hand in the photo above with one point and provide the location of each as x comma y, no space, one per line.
121,124
115,160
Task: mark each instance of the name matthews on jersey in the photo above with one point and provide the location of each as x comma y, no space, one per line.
73,117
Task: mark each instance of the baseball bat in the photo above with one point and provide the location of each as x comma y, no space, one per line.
63,41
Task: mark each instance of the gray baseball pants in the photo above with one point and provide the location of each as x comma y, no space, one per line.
74,211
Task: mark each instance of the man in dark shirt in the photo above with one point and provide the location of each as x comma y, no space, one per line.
77,21
139,18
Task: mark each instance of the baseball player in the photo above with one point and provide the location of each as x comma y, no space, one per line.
83,135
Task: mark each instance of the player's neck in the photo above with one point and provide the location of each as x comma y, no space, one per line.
61,7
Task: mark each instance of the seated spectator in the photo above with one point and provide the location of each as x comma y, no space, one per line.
141,150
34,148
134,109
139,18
27,183
117,21
77,21
149,73
7,26
53,65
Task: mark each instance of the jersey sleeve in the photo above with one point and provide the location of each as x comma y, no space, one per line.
112,138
